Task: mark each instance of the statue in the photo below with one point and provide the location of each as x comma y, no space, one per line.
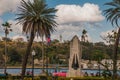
75,58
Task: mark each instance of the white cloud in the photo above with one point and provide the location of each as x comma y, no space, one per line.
37,39
9,5
17,31
72,19
68,31
105,34
75,13
1,21
19,36
16,28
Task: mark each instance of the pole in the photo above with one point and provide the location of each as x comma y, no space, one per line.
32,67
99,67
46,64
42,54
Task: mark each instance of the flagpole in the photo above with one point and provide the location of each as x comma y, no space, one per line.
42,54
48,44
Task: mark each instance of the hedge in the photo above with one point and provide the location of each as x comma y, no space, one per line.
51,78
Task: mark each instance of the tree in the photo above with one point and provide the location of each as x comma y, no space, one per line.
113,15
37,20
84,36
6,39
110,37
13,55
7,29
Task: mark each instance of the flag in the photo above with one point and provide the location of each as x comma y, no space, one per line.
48,40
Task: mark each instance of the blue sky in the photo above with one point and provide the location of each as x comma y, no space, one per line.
73,17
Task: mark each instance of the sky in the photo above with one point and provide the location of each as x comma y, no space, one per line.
72,17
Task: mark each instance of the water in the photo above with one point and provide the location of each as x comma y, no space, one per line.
50,70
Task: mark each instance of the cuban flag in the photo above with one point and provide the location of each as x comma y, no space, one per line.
48,39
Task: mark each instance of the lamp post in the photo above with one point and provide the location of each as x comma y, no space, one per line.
33,54
99,67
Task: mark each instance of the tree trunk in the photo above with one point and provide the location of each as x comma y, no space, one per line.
5,59
115,56
105,66
25,59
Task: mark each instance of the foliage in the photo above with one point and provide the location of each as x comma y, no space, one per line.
13,55
112,15
57,52
84,36
7,39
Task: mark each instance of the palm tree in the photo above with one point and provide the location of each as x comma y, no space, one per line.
37,20
7,29
113,15
84,35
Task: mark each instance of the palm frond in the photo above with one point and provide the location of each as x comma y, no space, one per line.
112,14
37,17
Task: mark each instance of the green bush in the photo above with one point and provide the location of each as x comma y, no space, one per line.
43,77
3,77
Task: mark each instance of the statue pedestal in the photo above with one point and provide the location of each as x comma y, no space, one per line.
74,73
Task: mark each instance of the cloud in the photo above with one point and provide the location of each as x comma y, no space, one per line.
19,36
37,39
75,13
9,6
72,19
68,31
16,28
105,34
1,21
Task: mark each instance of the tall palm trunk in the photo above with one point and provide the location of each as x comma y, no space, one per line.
115,56
25,59
5,57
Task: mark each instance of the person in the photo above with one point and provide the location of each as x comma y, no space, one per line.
6,74
43,73
92,74
28,73
97,74
86,74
